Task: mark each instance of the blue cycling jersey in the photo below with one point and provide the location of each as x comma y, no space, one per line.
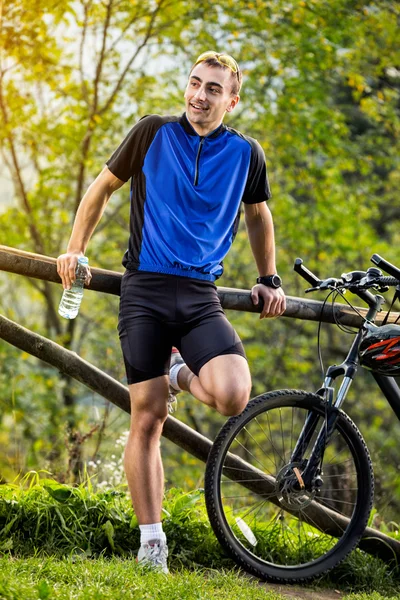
186,192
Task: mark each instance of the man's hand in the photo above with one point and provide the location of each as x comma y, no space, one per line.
274,300
66,267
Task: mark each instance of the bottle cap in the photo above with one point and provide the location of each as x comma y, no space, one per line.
83,260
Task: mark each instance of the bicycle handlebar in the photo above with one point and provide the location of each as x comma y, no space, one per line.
385,266
391,281
355,281
305,273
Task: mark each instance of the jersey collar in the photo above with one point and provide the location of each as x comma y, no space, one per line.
184,121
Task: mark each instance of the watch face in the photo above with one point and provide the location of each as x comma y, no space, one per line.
276,281
270,281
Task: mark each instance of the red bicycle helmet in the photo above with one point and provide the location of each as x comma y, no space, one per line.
379,350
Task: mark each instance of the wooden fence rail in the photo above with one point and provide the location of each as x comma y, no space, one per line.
109,282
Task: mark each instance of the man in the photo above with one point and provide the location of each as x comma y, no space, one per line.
189,175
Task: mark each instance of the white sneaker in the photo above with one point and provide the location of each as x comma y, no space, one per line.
154,554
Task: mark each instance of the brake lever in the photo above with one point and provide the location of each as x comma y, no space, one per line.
327,284
368,282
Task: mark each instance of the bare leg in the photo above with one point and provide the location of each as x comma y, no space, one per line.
224,383
142,459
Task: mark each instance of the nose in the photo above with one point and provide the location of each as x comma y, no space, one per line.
200,94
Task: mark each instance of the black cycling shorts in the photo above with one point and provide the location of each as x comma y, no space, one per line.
160,311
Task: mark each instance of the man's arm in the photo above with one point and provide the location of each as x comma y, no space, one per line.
260,229
88,215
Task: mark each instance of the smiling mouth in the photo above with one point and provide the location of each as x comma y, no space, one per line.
198,107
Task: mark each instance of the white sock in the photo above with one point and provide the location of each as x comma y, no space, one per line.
173,376
153,531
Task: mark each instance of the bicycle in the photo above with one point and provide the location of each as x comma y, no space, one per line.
289,482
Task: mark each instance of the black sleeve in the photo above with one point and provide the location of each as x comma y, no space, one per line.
128,158
257,187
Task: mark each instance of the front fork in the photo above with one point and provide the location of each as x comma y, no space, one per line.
314,463
313,467
348,369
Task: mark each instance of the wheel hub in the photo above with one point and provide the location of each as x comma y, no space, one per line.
290,488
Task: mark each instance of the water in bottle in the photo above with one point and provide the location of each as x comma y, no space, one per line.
71,299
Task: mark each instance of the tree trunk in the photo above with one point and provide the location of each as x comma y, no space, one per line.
69,363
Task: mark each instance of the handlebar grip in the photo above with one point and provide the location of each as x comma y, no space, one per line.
305,273
385,266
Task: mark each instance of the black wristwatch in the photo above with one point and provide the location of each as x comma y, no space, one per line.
273,281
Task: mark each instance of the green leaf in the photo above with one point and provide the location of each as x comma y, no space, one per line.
44,590
7,528
7,545
185,502
134,522
109,531
61,493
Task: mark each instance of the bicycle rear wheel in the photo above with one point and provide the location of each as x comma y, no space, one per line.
258,511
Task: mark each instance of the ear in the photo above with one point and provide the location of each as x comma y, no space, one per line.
232,103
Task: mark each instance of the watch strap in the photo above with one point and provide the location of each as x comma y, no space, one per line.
273,280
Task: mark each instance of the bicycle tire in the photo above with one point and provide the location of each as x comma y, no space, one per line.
264,547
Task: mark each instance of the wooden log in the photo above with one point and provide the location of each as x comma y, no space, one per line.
45,268
109,282
374,542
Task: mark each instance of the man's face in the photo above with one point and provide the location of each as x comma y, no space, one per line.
208,96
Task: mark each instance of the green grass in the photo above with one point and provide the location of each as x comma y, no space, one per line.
48,529
122,579
116,579
371,596
62,520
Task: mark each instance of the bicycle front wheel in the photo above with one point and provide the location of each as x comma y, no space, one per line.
258,506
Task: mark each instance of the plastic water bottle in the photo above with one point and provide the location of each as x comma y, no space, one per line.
71,299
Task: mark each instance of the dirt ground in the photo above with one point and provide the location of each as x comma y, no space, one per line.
292,592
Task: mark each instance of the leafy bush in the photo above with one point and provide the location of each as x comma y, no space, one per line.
41,515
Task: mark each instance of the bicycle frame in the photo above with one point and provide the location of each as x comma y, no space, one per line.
347,369
390,389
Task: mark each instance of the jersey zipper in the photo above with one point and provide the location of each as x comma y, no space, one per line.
196,171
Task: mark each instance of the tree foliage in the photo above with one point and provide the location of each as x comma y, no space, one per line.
321,94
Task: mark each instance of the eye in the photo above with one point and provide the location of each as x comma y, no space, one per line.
214,90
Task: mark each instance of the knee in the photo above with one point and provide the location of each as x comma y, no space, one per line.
148,423
233,408
234,401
